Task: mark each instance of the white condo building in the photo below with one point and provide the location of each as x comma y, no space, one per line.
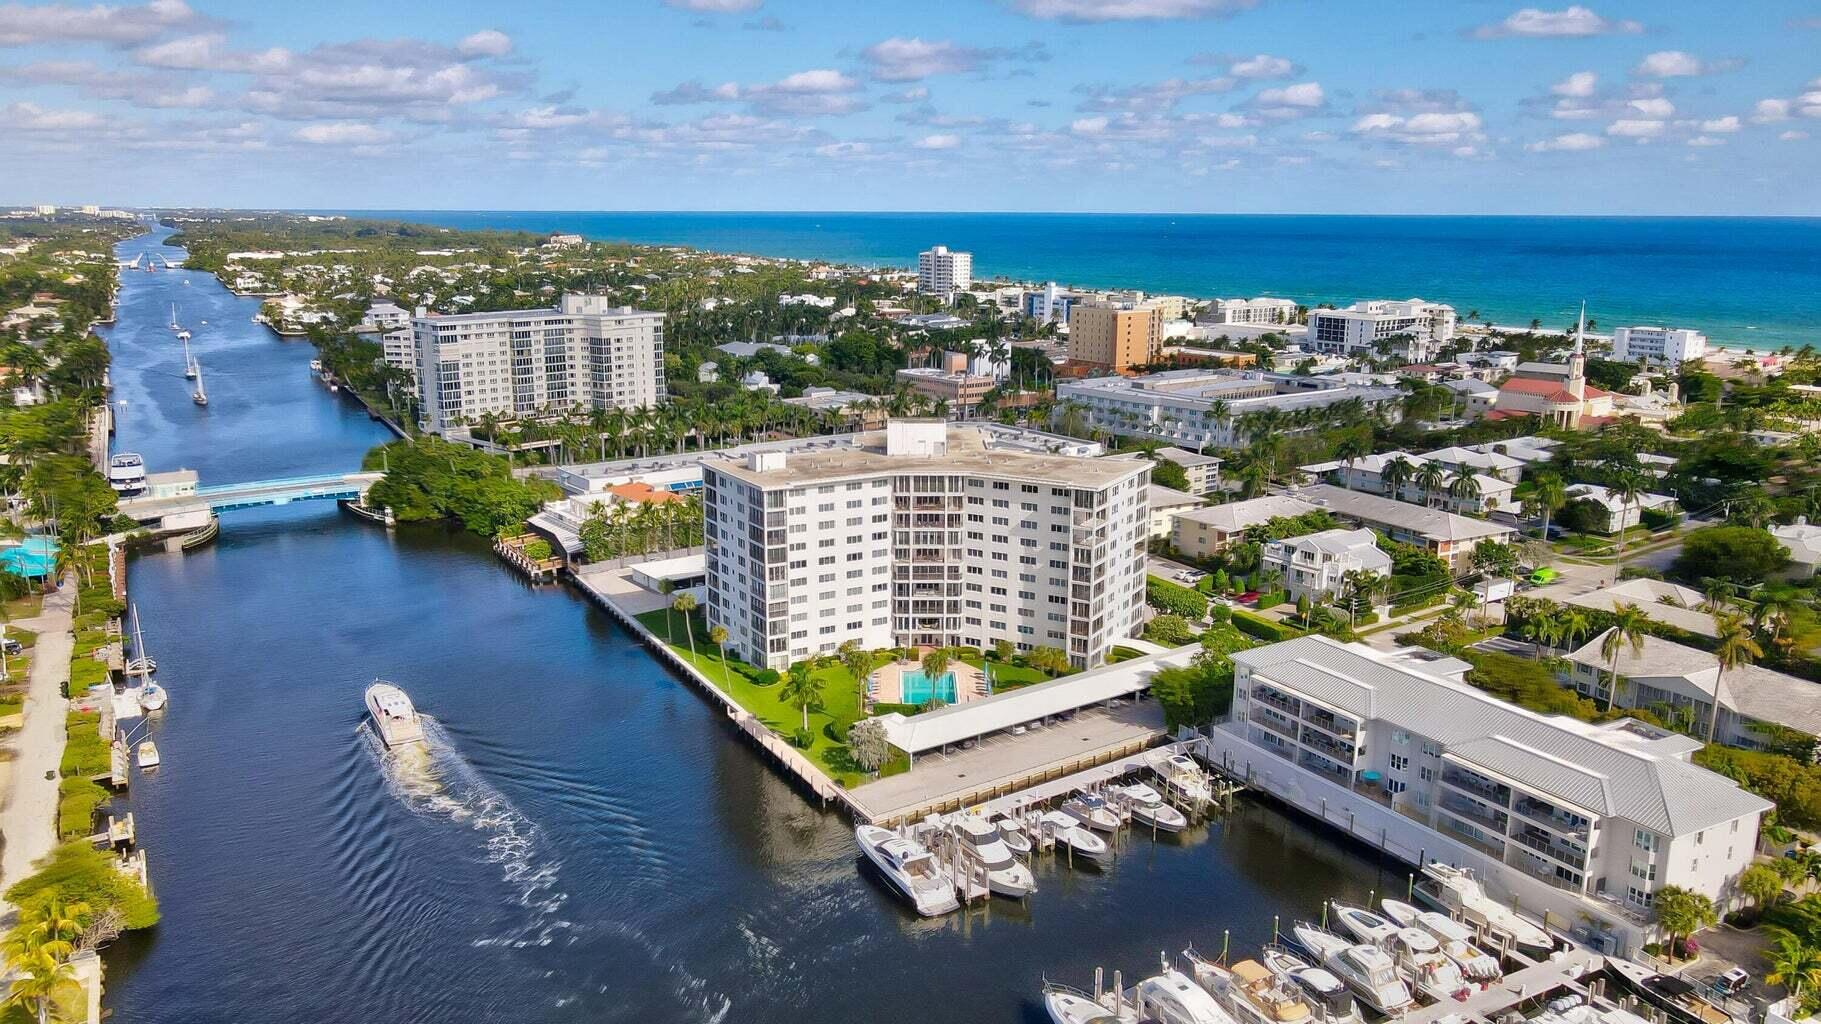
1661,346
1363,325
942,272
1317,564
392,322
1205,408
1252,311
584,352
1588,822
925,533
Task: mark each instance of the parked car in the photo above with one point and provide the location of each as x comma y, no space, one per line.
1543,575
11,646
1249,597
1733,982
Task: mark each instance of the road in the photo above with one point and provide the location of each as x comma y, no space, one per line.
28,819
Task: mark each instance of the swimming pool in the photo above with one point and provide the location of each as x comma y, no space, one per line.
915,687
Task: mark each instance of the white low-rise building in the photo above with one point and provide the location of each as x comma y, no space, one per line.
1457,488
1166,504
1207,531
1659,346
1250,311
1413,328
924,534
1584,823
1316,564
1449,537
1203,471
1677,681
1216,408
1803,539
1620,515
392,323
1661,600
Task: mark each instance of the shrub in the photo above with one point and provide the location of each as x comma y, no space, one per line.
1260,627
85,753
538,550
1177,600
1272,598
1740,553
1171,630
78,798
802,739
76,872
766,676
1220,613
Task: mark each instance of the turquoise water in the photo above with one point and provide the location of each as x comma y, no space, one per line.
914,687
32,559
1744,281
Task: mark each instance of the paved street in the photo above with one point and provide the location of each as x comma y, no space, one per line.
28,818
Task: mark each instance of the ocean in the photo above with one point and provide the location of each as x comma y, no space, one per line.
1745,282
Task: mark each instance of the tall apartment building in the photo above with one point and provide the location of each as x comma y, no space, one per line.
1363,325
1662,346
925,533
1116,335
1052,303
942,272
583,353
1587,821
392,323
1251,311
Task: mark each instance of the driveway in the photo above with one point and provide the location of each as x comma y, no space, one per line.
28,819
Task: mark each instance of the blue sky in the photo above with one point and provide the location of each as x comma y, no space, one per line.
1346,106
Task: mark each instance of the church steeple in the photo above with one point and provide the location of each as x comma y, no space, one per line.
1577,361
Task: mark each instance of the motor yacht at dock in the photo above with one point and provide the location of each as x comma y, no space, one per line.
1329,999
910,869
1456,939
1458,890
979,845
1367,970
1249,991
126,474
1091,810
393,716
1148,808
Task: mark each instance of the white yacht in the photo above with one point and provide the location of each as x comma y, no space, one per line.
148,756
1456,939
1014,835
1174,998
152,698
1184,778
1066,1005
1081,841
126,474
911,869
1367,970
1091,810
1420,960
393,716
1329,1000
1249,991
1148,808
979,841
1362,924
1458,890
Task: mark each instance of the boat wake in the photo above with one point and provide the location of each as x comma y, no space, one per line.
434,779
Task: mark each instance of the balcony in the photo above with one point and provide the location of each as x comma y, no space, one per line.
1337,774
1550,817
1343,752
1270,742
1479,814
1480,787
1328,722
1276,699
1547,845
1471,836
1536,867
1263,717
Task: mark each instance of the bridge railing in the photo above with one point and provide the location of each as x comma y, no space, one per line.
325,480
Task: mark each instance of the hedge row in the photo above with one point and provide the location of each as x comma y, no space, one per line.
1261,627
1177,600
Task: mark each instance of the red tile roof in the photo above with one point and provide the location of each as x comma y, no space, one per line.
641,492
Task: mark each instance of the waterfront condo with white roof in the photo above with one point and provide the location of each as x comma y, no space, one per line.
924,534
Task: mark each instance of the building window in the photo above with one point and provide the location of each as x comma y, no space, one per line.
1400,763
1646,841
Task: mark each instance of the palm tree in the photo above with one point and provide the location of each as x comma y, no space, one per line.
1395,474
1549,494
38,950
685,605
1573,626
1775,607
1628,488
717,635
1792,963
936,663
1049,660
1735,647
859,663
1464,488
1717,590
1430,479
1351,449
1465,603
1628,621
1359,585
801,690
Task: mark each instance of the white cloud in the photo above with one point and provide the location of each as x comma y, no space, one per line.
1579,85
1574,142
714,6
342,133
694,91
191,98
938,142
1427,129
899,59
1161,96
1302,96
1721,125
1129,10
1088,125
844,150
30,117
821,92
1770,111
1632,128
1230,120
1706,140
1261,65
1653,106
209,52
121,26
485,43
1670,64
1793,135
1575,21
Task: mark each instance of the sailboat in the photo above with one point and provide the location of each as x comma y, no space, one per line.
199,396
175,326
189,361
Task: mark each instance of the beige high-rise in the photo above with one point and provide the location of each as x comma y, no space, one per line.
1115,336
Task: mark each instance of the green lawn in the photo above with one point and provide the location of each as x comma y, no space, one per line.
1007,675
828,722
1119,654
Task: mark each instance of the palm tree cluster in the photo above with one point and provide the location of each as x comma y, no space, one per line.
38,952
621,528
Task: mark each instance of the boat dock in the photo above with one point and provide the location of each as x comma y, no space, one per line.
1539,982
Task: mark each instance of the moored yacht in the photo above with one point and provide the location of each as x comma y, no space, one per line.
979,841
151,697
1148,808
910,869
1184,779
1363,924
1091,810
1329,1000
1080,840
1456,939
1420,960
1458,889
393,716
1249,991
1067,1005
148,756
1014,835
1367,970
1174,998
1678,999
126,474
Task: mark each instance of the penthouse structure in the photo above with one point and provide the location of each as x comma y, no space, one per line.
1413,328
1204,408
1588,822
942,272
924,534
582,353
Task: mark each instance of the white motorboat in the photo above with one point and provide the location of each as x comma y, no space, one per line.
1328,998
1679,999
1455,938
1091,810
978,841
909,868
1066,1005
1184,778
1080,840
148,755
1458,890
1420,960
1249,991
152,698
1148,808
393,716
1362,924
1015,836
1367,970
1174,998
126,474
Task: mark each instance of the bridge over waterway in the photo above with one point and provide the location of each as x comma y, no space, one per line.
192,508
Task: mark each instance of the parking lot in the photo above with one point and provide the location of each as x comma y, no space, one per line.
1175,572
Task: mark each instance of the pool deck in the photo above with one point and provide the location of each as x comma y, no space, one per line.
1004,764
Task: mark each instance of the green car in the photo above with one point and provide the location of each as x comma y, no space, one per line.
1543,575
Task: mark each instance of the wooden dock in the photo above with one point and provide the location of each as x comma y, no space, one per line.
1539,982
